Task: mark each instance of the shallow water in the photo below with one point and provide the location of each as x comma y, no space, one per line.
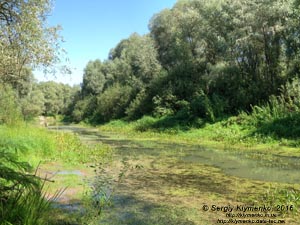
166,183
70,172
250,165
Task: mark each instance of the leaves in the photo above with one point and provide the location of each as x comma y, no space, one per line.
26,39
219,57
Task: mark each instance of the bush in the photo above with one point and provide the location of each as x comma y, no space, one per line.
272,110
201,106
164,105
137,107
145,123
84,109
290,95
219,105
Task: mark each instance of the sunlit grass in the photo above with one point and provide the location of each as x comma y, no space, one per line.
38,149
224,134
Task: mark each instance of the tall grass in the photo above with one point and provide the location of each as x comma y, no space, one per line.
28,206
22,148
21,198
268,124
73,151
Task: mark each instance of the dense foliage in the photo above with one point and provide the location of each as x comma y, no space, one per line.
25,39
201,59
26,43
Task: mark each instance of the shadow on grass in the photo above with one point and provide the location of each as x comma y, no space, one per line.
149,197
287,127
129,210
169,124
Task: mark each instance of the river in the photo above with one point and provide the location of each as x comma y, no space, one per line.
152,183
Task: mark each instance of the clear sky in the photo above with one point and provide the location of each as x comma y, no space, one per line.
92,27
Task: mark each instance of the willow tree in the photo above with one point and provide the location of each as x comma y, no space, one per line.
26,40
240,50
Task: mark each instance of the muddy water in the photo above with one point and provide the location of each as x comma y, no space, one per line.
165,183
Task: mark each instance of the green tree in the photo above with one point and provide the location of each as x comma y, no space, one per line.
32,104
201,59
113,103
9,110
54,97
236,49
25,38
131,67
93,78
136,57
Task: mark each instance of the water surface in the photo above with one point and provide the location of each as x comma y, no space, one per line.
245,164
166,183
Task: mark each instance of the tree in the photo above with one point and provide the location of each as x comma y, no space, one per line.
136,61
26,40
32,104
113,103
131,67
93,78
237,49
201,59
9,110
57,97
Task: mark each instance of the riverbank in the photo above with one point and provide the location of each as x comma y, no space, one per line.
230,133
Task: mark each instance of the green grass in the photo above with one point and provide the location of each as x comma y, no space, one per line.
23,148
276,135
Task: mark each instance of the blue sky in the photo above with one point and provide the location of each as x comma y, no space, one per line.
92,27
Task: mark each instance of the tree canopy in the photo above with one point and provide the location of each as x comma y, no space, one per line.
26,40
206,58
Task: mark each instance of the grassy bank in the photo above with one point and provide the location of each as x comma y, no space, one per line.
238,132
30,159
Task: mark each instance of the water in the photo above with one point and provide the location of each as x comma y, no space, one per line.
70,172
251,165
166,183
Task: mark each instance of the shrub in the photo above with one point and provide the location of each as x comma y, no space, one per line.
145,123
164,105
137,106
84,109
290,95
201,106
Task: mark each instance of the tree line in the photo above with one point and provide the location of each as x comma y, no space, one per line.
201,59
